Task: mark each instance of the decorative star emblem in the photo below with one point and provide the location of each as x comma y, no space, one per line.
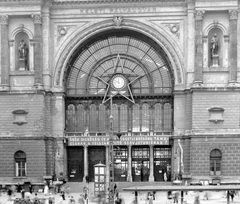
112,91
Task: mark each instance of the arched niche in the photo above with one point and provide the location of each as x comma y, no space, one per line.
221,33
18,35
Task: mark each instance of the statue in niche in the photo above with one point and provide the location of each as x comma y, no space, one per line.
22,54
214,51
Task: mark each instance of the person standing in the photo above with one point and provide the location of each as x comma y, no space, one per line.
9,192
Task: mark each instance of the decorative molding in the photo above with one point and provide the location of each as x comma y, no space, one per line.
20,116
173,28
66,2
215,23
62,31
233,14
216,114
37,19
4,19
174,53
118,21
226,38
199,15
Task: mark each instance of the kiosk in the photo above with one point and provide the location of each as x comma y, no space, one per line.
99,179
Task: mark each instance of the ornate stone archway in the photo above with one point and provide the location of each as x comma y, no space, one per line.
172,51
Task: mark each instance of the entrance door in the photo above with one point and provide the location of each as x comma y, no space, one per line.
75,163
140,163
162,163
95,155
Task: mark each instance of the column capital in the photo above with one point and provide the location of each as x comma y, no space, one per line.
37,19
199,15
233,14
4,19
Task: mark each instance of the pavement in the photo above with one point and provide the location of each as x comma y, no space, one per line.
128,197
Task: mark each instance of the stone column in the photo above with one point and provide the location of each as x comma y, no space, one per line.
198,76
85,161
233,15
5,63
151,175
107,167
38,50
129,177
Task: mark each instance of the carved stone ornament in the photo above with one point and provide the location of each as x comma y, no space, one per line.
216,114
20,116
118,20
62,31
173,28
233,14
4,19
37,19
199,15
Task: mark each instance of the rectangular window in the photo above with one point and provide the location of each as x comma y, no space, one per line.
20,168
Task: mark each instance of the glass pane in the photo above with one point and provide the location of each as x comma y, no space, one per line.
115,117
70,118
158,117
136,118
167,117
123,118
93,119
145,118
80,118
102,117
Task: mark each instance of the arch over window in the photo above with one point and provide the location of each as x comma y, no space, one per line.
20,164
142,60
215,162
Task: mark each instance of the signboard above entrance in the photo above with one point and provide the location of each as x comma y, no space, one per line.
125,140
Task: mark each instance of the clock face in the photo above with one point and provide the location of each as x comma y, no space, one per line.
118,82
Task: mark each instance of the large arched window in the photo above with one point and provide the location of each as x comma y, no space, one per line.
215,162
20,164
144,101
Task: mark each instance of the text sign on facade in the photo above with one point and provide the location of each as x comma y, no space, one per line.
125,140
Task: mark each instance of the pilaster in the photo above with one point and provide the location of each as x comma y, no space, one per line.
5,62
198,78
85,161
38,50
151,174
129,177
233,15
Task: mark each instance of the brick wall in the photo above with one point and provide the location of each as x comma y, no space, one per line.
202,101
33,103
200,155
34,149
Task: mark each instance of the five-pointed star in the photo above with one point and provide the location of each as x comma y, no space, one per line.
110,94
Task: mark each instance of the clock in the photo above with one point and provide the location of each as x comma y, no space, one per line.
118,82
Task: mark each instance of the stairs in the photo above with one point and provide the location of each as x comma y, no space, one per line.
77,187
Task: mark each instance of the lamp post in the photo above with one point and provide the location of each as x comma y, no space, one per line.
111,158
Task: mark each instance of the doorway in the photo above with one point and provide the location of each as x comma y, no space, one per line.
75,164
140,164
95,155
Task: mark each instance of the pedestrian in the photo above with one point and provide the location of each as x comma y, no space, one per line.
150,198
18,188
46,188
175,195
231,193
81,199
62,195
23,193
136,196
72,200
196,199
165,176
30,188
51,198
9,192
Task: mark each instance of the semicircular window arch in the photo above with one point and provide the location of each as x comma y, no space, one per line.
140,59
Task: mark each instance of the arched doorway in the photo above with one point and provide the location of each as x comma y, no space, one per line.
132,70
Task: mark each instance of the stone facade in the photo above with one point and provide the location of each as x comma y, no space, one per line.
206,112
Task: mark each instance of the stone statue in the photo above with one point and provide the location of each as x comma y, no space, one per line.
23,55
22,50
214,45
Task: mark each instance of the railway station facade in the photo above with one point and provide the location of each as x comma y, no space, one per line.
161,77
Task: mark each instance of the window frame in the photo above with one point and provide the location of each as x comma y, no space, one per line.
20,162
215,163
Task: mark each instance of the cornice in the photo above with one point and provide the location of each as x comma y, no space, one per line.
79,2
23,2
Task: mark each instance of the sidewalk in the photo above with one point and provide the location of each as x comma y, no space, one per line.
160,198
